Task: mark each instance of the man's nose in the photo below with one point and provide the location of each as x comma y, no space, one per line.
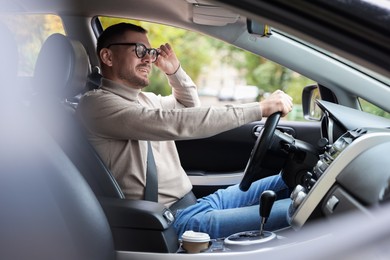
147,58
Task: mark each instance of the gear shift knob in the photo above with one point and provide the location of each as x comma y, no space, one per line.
267,199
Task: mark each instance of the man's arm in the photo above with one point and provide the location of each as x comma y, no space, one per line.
111,116
184,90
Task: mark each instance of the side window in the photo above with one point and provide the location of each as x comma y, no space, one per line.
30,33
223,73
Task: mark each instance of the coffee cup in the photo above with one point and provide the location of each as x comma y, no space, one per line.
195,242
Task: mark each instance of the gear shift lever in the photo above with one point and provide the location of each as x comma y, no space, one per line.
255,237
267,199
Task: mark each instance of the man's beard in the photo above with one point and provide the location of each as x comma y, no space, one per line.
139,82
135,80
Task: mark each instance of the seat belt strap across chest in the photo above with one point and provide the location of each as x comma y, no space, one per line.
151,187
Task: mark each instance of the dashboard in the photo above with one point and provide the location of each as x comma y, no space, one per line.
351,174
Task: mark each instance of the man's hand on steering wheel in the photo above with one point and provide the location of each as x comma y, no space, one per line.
278,101
276,105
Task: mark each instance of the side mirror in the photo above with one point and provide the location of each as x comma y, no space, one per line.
311,111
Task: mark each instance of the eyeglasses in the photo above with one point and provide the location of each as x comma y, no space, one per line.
140,50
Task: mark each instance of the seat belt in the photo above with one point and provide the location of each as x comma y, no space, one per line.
151,187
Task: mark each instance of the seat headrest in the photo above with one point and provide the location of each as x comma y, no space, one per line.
62,67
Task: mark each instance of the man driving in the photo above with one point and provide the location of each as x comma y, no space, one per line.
134,132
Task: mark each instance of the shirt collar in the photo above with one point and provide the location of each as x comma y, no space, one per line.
120,89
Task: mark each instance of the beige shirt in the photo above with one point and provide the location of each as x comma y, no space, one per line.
119,119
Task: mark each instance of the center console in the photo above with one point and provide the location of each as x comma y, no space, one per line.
327,188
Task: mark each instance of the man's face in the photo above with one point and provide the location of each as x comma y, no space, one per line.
127,68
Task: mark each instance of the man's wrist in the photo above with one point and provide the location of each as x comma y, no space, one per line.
169,74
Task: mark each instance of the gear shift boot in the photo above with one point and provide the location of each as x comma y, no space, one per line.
249,238
256,237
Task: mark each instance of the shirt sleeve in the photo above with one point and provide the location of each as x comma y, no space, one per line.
110,116
184,91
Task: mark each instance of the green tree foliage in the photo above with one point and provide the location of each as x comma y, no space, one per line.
30,33
196,51
372,109
265,74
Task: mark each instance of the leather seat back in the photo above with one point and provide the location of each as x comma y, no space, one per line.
61,73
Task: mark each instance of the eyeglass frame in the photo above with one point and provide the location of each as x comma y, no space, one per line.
136,44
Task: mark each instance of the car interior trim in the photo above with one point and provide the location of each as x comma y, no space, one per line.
328,179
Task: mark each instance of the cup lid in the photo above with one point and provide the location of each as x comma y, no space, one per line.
192,236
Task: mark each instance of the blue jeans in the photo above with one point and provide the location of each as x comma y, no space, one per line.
230,210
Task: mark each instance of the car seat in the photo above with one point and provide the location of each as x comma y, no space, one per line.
47,211
62,73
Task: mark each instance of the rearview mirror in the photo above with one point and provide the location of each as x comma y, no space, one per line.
311,111
257,28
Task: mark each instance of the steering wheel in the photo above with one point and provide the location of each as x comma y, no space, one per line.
253,170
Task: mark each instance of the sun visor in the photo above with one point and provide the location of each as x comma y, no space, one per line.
213,15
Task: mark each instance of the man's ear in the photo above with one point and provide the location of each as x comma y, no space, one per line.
106,56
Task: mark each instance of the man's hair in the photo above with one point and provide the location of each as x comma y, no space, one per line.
114,33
